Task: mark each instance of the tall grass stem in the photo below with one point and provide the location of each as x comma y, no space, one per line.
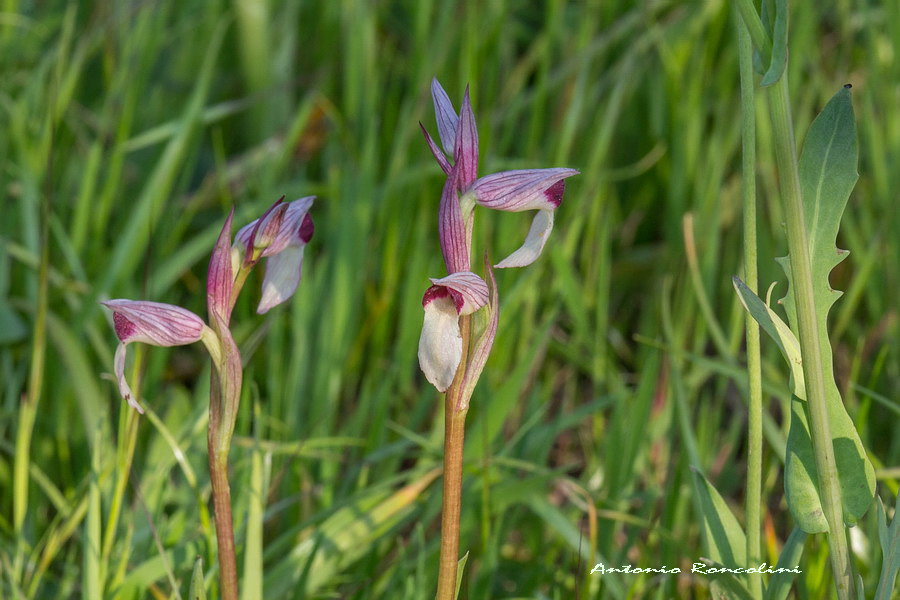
753,520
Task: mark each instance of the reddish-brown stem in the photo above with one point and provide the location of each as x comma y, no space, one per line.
454,430
454,435
218,471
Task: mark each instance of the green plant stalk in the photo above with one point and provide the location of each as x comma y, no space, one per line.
454,436
224,396
753,516
128,429
810,348
221,426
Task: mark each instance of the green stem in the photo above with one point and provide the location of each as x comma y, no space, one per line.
224,397
755,28
454,435
754,374
810,344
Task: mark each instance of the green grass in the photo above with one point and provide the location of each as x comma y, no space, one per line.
127,130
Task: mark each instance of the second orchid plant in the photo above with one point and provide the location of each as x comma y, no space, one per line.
280,235
454,346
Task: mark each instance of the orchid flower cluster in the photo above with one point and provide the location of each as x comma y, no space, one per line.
462,292
280,235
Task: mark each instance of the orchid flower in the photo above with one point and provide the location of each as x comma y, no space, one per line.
156,324
281,235
440,347
540,190
511,191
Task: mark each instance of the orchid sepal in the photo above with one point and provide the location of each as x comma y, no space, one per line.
520,190
157,324
484,330
465,149
445,115
454,227
221,273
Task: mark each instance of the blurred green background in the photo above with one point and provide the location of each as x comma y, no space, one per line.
129,129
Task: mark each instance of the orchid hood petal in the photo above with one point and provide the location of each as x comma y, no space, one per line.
468,290
445,116
152,323
465,150
278,228
527,189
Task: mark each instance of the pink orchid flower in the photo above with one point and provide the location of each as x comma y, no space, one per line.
511,191
156,324
280,235
541,190
440,346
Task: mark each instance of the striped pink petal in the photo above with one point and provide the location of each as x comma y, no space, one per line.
445,116
465,149
152,323
453,230
436,152
528,189
468,290
220,275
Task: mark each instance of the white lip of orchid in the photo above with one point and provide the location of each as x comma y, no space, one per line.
440,345
531,249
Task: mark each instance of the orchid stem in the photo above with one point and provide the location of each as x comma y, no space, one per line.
454,436
224,395
218,471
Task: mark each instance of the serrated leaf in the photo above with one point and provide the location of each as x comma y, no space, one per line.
827,176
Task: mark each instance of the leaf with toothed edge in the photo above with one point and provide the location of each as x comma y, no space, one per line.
827,176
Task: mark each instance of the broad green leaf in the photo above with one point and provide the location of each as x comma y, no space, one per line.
780,585
723,539
890,548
